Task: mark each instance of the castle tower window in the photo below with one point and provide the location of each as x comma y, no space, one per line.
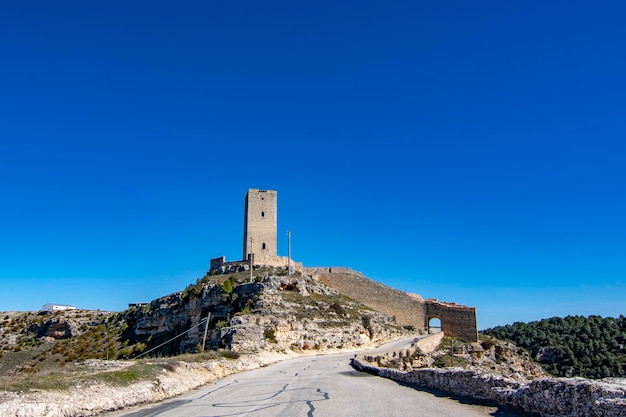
262,214
263,245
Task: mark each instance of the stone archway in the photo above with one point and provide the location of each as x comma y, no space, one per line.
456,320
434,325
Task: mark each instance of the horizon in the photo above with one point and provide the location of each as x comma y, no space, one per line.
472,153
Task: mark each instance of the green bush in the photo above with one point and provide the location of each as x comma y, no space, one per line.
230,354
487,343
270,335
227,287
337,308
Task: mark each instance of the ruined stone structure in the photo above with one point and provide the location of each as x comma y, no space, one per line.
456,320
259,234
408,309
260,245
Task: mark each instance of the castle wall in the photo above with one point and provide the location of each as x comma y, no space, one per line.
456,320
260,224
275,261
260,241
217,263
408,309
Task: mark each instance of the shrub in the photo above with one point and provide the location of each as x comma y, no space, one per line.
227,287
367,323
441,361
270,334
245,310
488,343
230,354
337,308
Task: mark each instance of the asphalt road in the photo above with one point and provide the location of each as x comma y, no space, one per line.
315,386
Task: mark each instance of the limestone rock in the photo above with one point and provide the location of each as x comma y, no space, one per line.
545,355
271,312
56,327
550,397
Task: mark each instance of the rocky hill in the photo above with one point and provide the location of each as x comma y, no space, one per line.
271,312
268,312
67,363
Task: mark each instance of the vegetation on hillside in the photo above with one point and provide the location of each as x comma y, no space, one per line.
591,347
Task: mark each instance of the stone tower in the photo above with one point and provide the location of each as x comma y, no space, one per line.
260,224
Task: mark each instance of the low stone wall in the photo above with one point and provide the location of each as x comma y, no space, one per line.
222,267
550,397
429,343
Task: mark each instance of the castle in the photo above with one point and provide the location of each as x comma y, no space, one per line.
260,225
260,248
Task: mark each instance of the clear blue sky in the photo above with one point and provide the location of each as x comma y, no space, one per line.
468,151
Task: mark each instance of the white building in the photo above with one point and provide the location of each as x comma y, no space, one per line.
56,307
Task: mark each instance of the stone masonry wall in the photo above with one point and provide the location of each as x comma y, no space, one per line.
220,264
550,397
277,261
408,309
456,319
260,223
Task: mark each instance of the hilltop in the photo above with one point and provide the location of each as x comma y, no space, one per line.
269,312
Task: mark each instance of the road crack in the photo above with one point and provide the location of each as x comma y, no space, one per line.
310,402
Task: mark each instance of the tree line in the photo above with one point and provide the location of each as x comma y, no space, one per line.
591,347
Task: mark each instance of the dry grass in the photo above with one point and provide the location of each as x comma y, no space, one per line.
28,362
57,375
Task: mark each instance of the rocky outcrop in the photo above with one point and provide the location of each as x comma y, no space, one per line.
551,397
545,355
22,330
437,351
56,327
270,312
